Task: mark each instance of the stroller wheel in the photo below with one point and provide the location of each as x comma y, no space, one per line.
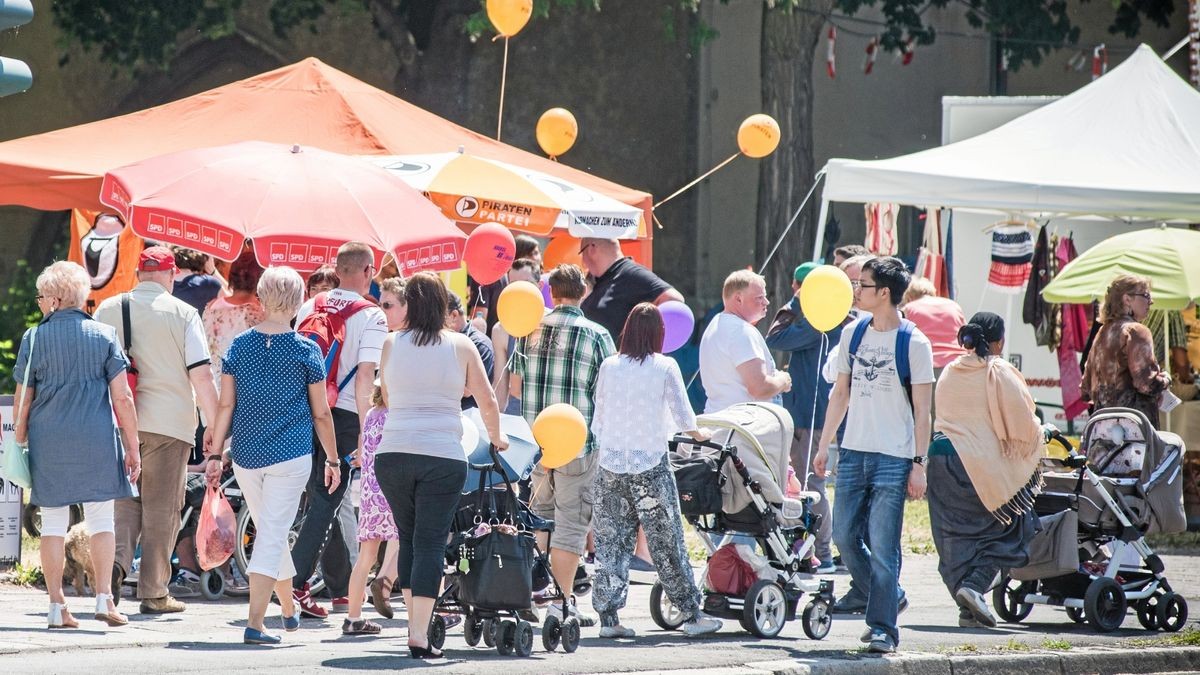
1104,604
551,632
212,584
570,635
1076,614
817,619
491,630
581,589
1172,612
506,637
1009,600
523,644
472,630
765,609
665,614
437,631
1147,611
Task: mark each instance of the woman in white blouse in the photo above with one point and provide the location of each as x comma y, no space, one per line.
640,402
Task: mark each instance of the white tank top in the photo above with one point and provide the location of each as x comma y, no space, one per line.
425,387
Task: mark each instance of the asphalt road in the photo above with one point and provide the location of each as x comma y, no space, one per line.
207,638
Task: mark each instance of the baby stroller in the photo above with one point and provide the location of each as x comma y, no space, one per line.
494,565
735,484
1091,556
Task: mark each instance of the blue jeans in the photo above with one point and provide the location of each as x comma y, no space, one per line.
871,488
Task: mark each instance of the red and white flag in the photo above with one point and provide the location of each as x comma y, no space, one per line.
872,52
1099,61
830,59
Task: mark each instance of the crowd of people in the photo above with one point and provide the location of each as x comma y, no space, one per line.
190,375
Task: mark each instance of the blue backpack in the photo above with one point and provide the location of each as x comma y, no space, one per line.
903,338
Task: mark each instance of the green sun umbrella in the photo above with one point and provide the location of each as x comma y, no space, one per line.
1169,257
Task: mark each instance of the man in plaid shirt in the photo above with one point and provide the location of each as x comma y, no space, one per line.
559,363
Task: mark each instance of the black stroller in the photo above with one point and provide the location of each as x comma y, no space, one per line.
493,567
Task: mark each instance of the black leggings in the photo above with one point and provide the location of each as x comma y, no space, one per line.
423,493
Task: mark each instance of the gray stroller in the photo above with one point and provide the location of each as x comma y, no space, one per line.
1091,556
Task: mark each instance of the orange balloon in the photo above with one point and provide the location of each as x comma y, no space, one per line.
561,431
557,131
519,308
562,249
758,136
509,16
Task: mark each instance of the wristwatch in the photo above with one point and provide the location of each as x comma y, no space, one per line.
919,460
332,463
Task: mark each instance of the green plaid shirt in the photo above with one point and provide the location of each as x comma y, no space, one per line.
559,363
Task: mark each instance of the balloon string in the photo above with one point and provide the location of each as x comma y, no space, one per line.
503,79
702,177
820,175
813,419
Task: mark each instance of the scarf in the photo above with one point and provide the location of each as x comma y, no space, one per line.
1001,450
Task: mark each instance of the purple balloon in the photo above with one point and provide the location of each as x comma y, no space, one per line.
678,322
545,284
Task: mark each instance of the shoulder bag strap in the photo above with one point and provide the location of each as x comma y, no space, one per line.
25,379
126,330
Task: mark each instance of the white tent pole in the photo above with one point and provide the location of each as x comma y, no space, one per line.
817,244
1008,299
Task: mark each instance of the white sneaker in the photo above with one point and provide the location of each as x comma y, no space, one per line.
702,625
974,602
617,631
585,620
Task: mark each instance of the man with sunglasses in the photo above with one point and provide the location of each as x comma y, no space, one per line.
365,331
619,284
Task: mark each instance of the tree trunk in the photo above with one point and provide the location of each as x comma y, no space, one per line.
789,41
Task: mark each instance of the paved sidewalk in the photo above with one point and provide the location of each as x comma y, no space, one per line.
207,638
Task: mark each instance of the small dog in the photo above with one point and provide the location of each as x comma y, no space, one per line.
78,570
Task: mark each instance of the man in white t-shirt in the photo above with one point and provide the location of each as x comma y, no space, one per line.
883,450
358,359
735,363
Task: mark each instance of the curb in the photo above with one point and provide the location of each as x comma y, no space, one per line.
1080,660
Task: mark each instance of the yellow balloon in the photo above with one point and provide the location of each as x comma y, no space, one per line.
556,131
825,297
758,136
509,16
561,431
520,308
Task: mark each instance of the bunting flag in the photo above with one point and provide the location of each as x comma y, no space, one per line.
1099,61
1077,61
872,52
906,51
830,59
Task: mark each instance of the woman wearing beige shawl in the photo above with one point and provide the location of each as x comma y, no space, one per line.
982,468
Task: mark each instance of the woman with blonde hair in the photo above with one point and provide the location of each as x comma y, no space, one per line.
1121,369
273,399
70,374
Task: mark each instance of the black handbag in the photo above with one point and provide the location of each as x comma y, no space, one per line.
699,480
499,562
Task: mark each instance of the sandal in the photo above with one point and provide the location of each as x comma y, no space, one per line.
360,627
381,593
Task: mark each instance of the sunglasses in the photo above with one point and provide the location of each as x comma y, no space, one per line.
585,247
1143,295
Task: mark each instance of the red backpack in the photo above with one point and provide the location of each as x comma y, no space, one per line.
326,326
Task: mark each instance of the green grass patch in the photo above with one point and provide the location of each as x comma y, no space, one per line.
1183,543
27,575
1189,637
967,648
1013,646
1056,645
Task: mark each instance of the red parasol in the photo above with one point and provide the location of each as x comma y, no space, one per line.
296,204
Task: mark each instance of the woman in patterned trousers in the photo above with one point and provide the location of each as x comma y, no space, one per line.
638,393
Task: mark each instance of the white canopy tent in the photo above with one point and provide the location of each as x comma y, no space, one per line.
1124,146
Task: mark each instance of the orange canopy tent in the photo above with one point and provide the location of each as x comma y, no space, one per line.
309,103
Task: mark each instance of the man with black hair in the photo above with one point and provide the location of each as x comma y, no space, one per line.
885,382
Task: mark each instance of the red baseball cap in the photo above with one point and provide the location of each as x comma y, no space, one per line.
156,259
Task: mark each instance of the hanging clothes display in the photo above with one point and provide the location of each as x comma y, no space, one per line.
1036,311
931,262
1012,252
1076,324
881,228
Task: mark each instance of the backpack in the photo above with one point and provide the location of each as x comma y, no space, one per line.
326,326
903,338
131,373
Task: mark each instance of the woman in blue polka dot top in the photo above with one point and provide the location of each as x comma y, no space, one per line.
273,397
